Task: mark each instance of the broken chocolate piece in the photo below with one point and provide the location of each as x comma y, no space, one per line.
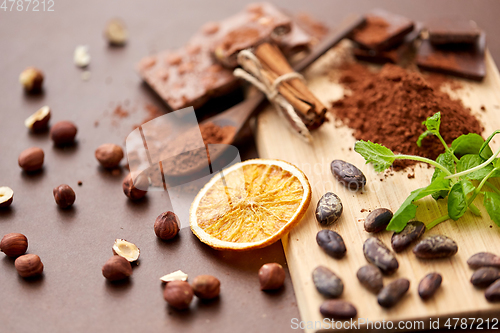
382,30
452,30
461,60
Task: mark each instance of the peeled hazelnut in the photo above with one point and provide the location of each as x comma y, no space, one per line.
31,79
271,276
6,196
31,159
178,294
109,155
29,265
81,57
127,250
63,133
206,286
14,244
174,276
116,268
64,195
38,121
131,191
167,225
116,33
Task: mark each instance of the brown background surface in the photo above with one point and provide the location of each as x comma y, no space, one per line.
74,244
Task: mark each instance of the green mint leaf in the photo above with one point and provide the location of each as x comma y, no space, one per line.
446,160
422,136
467,144
470,161
432,123
492,204
457,200
496,163
381,157
485,151
408,210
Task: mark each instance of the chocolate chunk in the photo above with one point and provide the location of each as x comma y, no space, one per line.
413,231
382,30
461,60
452,30
190,76
429,285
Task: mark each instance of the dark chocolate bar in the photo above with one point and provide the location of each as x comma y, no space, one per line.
382,30
452,30
462,60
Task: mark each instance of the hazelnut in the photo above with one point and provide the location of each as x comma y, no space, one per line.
167,226
64,195
31,159
6,196
38,121
109,155
116,268
116,32
178,294
174,276
206,286
31,79
127,250
63,133
29,265
131,191
271,276
14,244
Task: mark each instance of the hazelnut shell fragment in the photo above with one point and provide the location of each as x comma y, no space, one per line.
174,276
116,268
178,294
131,191
29,265
31,159
63,133
6,196
31,79
64,196
126,249
206,286
167,226
271,276
38,121
14,244
109,155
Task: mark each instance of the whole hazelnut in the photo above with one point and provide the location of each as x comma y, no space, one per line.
109,155
63,133
29,265
206,286
116,268
6,196
271,276
131,191
116,33
31,79
14,244
38,121
167,225
31,159
178,294
64,195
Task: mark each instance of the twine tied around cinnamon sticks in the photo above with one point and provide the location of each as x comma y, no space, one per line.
268,70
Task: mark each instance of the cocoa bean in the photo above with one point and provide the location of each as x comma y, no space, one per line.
378,220
393,292
332,243
338,309
371,278
413,231
485,276
429,285
484,259
327,283
329,209
436,246
348,175
378,254
492,294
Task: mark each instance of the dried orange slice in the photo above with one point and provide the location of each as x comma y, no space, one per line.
250,205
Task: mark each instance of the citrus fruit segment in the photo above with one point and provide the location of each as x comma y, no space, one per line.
250,205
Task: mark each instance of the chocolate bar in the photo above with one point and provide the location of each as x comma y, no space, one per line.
382,30
460,60
191,75
394,55
452,30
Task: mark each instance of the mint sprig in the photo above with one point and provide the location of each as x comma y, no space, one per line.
460,174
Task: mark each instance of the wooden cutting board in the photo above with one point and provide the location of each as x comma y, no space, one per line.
457,298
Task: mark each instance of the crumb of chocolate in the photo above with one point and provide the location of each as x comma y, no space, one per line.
120,112
363,210
483,108
411,175
96,123
80,183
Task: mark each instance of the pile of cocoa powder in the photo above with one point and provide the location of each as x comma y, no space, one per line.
389,106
